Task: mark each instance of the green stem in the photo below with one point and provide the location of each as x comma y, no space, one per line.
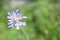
25,33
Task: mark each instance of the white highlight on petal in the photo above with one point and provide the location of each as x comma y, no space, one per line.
17,26
9,13
24,17
9,20
17,10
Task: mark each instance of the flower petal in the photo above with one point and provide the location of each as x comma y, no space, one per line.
10,23
9,14
24,17
10,20
17,26
22,24
16,11
9,17
20,16
13,14
11,26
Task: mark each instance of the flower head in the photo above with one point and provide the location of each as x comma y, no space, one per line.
15,20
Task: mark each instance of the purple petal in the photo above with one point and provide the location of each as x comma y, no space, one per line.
10,23
11,26
17,11
9,17
22,24
13,14
20,16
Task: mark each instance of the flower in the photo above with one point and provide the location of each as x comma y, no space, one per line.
15,20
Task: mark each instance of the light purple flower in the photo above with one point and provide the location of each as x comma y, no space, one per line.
15,20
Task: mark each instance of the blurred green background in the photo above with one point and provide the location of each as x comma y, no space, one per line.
43,22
